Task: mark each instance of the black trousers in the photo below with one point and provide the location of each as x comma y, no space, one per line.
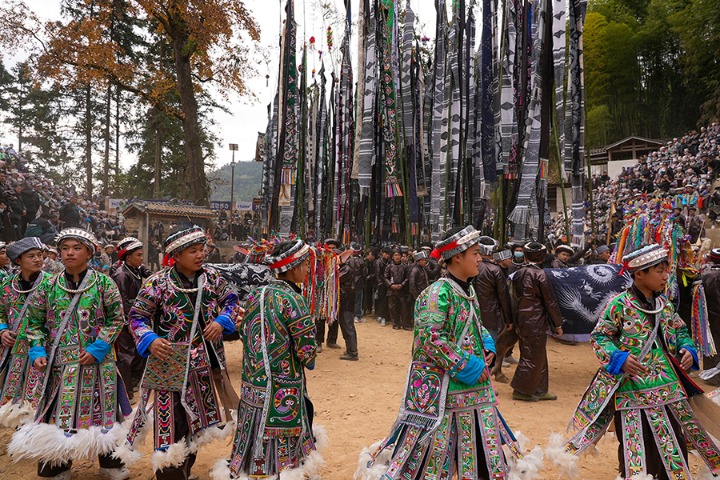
396,310
347,326
332,330
381,305
129,363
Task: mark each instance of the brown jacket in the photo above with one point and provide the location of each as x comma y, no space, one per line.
396,274
419,279
536,306
492,292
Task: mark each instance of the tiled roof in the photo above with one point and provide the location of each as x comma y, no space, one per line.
170,209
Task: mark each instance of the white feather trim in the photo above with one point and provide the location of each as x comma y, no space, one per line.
49,444
210,434
174,456
369,469
565,461
12,415
321,437
528,467
221,471
128,453
637,476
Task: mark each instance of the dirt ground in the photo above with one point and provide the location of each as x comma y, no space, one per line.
358,401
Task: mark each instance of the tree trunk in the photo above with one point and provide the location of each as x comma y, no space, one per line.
158,157
88,143
106,159
191,129
118,93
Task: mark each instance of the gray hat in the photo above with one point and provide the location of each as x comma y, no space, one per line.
24,245
420,255
502,255
487,245
290,258
602,249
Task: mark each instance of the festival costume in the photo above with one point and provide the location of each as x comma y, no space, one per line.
81,406
655,413
275,434
449,422
190,394
19,381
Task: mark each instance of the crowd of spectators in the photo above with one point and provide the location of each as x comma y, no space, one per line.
676,180
33,205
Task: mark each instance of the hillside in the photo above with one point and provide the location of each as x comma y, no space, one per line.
248,179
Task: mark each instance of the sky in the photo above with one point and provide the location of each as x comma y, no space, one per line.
248,114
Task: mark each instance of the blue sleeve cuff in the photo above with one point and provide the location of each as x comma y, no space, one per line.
488,342
227,324
696,362
617,360
143,345
472,371
36,352
3,326
98,349
311,365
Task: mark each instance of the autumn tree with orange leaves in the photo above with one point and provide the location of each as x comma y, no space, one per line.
211,42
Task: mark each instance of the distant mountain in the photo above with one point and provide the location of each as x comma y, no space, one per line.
248,180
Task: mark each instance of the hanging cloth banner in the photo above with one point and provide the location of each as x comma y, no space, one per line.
388,94
575,121
321,155
345,131
507,105
525,214
270,158
289,126
453,143
559,53
439,127
487,85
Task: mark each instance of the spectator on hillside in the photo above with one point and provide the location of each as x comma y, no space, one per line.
42,228
31,200
70,213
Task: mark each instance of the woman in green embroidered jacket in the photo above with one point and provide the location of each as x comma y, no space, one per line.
73,321
449,423
19,380
275,418
644,348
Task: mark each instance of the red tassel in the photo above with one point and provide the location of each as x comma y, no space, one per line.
168,261
436,254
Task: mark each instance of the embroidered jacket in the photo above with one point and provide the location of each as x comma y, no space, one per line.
86,395
165,308
441,314
12,387
625,327
290,344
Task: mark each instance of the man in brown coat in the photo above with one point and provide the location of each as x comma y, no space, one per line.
537,310
396,280
492,290
418,278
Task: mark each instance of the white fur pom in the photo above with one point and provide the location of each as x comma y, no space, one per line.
221,471
49,444
127,454
210,434
174,456
528,467
310,468
321,437
565,461
369,469
12,415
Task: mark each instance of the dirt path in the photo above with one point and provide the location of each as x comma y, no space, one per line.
358,401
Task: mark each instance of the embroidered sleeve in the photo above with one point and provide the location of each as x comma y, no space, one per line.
113,310
604,336
432,332
683,338
301,326
228,301
143,311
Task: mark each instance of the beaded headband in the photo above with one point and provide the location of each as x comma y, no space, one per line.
487,245
83,236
